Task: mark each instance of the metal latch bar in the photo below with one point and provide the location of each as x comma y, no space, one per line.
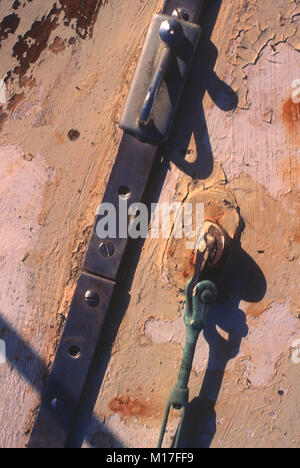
160,77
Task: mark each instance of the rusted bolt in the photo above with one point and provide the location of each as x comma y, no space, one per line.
106,249
92,298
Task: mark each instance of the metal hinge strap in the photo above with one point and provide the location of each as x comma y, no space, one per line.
95,287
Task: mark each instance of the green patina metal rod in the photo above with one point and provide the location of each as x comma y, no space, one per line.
196,316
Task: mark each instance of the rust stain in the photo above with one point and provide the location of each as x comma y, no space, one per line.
13,166
16,5
189,265
14,101
289,171
296,236
26,82
60,139
29,47
291,119
129,406
85,13
58,45
8,26
3,119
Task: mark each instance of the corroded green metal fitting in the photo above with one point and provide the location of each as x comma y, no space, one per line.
196,316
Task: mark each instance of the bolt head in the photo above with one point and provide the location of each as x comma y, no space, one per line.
171,32
57,405
181,13
106,249
92,298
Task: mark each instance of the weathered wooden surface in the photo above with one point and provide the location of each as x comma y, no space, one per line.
67,70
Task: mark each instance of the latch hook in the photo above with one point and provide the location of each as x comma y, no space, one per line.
204,296
171,34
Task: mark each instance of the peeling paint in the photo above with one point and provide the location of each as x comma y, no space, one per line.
253,139
269,336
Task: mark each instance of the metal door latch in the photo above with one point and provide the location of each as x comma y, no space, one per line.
201,293
160,77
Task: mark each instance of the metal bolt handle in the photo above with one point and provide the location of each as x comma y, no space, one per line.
203,297
171,34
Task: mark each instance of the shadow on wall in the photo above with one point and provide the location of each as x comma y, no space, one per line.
30,367
191,117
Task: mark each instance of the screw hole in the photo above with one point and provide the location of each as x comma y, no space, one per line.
124,192
73,134
75,352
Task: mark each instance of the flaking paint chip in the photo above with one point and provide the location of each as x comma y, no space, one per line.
268,116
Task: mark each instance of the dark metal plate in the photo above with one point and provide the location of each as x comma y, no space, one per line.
72,362
130,173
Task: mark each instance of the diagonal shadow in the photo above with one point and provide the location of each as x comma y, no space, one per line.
191,119
34,370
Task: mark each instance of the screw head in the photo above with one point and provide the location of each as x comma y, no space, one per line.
92,298
181,13
106,249
57,405
171,32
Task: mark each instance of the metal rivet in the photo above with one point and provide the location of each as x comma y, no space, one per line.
181,13
106,249
57,405
92,298
171,32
